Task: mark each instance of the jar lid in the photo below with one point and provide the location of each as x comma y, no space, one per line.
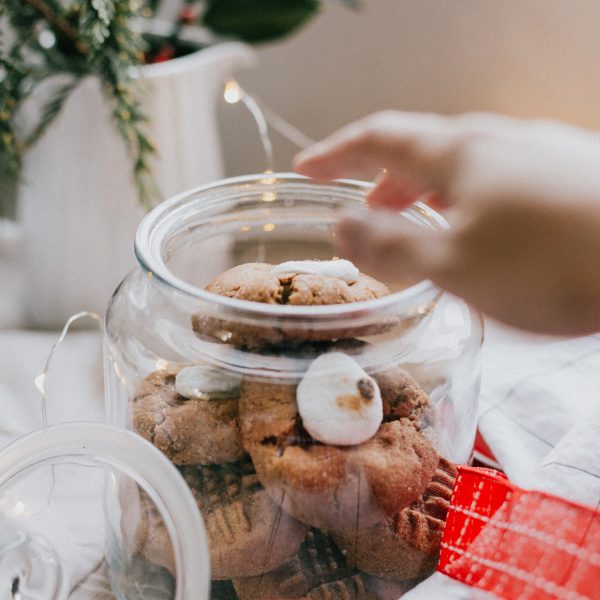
78,501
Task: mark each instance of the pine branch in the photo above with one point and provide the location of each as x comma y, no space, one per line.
10,147
129,119
93,38
95,19
60,24
51,111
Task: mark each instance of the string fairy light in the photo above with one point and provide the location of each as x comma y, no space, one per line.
265,117
40,380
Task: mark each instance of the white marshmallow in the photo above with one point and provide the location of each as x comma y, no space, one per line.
338,402
204,382
341,268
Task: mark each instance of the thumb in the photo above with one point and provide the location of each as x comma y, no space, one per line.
391,247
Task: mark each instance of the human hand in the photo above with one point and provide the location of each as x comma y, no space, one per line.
523,198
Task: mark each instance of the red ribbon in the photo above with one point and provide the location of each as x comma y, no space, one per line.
520,544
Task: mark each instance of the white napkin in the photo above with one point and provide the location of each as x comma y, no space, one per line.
540,414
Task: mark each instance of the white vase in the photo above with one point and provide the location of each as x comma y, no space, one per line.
77,203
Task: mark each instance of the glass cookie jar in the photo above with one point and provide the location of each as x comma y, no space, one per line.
318,432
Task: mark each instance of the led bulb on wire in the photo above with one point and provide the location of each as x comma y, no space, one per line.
233,92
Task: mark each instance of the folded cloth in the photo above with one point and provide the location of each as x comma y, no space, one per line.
540,415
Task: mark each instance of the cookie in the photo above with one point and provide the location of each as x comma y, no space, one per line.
256,282
319,571
248,534
327,486
403,398
188,431
406,545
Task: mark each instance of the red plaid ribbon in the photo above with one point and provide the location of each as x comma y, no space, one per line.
520,544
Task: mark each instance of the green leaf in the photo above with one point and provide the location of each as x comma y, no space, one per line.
258,20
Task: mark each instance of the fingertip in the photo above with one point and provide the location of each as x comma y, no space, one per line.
312,167
435,201
391,194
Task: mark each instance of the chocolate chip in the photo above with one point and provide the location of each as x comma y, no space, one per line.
297,436
366,389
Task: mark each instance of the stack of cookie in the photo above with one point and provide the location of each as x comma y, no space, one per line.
325,487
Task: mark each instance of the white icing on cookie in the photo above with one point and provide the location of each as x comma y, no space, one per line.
204,382
341,268
338,402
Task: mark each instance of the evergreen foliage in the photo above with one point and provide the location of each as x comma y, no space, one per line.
77,38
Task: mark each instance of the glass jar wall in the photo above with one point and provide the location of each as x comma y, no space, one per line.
303,491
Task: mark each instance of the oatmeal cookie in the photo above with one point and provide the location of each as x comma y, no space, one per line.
188,431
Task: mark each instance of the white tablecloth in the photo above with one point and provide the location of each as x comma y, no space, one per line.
539,408
540,414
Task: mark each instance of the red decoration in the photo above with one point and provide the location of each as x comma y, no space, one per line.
520,544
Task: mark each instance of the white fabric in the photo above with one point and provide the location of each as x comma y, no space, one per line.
540,414
539,410
63,505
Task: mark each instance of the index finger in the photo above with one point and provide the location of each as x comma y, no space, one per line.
406,145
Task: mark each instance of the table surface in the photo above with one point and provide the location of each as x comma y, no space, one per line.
538,408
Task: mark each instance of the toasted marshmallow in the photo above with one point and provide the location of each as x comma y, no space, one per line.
207,383
338,402
341,268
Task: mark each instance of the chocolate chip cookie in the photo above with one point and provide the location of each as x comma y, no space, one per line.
256,282
327,486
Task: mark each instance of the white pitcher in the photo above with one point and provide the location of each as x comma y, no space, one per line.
77,204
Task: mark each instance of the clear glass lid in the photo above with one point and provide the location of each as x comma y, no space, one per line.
78,503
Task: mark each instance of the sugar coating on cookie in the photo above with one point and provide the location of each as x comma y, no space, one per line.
338,402
188,430
202,382
340,268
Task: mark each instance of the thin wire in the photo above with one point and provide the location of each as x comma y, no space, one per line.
286,129
261,122
266,117
40,380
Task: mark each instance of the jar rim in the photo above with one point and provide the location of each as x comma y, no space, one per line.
153,229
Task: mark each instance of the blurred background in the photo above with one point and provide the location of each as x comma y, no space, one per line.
528,58
77,169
